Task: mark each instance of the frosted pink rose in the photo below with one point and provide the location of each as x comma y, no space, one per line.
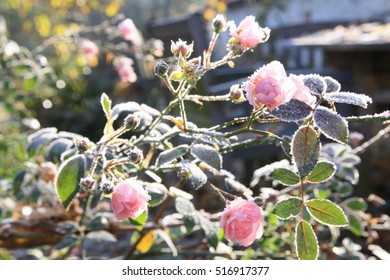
90,49
269,86
129,200
242,221
127,29
302,92
248,33
124,67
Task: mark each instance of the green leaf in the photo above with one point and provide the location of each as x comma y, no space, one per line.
157,192
356,204
326,212
36,145
331,124
361,100
18,180
285,176
56,148
355,225
140,221
210,230
292,111
306,241
189,222
67,241
208,155
69,175
305,150
30,83
197,176
106,102
322,193
168,156
288,208
184,206
322,172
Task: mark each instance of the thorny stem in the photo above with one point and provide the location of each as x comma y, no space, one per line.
256,131
362,148
207,55
183,113
197,98
220,192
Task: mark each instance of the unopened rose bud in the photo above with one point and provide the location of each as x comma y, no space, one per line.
83,144
132,121
107,187
237,94
184,173
219,23
87,183
181,48
161,68
135,156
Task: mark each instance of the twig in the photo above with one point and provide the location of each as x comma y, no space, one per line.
362,148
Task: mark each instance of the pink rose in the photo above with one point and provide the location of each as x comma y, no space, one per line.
124,67
269,86
302,92
248,33
129,200
90,49
242,221
127,29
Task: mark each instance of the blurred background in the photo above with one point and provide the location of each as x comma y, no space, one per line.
56,86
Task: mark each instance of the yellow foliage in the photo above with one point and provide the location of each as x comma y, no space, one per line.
113,8
43,25
146,242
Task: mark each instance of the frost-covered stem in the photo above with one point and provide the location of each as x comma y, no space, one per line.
169,85
256,131
156,121
207,55
183,113
362,148
221,193
229,123
85,207
196,98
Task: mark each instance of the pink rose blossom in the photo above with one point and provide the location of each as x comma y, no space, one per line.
302,92
90,49
269,86
129,200
242,221
124,67
158,48
127,29
248,33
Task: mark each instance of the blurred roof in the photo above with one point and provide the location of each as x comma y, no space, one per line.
354,35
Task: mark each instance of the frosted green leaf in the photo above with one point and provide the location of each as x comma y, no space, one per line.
355,225
322,172
292,111
139,221
105,101
197,176
69,175
332,85
384,116
157,192
326,212
170,155
208,155
331,124
315,83
285,176
356,204
288,208
306,241
361,100
305,150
